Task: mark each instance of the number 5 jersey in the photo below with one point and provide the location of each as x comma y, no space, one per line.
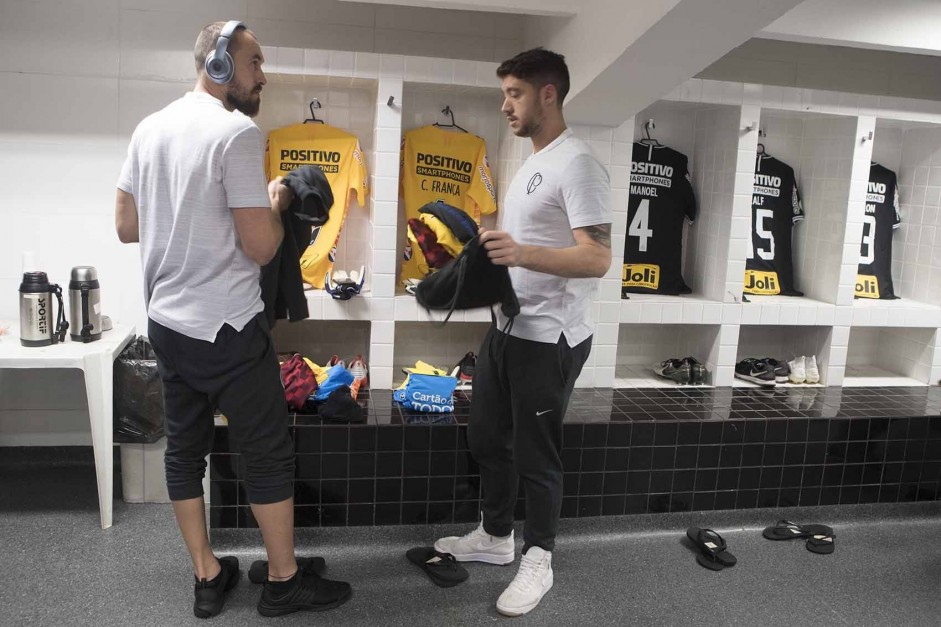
661,195
776,207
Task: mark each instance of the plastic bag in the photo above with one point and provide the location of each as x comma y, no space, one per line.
138,395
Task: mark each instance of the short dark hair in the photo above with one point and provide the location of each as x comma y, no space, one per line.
206,42
538,67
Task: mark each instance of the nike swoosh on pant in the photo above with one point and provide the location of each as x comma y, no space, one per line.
546,411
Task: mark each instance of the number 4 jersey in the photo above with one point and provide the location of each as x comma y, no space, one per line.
776,207
874,278
661,195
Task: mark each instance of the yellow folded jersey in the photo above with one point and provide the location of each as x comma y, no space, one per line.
445,235
422,367
320,372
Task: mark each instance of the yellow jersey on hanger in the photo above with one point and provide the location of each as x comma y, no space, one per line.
339,155
438,164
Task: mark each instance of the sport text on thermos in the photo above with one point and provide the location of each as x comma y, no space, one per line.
36,311
85,304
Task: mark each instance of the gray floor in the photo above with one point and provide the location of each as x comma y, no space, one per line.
60,569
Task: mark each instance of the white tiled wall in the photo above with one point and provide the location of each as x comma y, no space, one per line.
785,343
642,346
892,352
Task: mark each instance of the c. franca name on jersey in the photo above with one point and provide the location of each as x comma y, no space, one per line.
326,160
649,176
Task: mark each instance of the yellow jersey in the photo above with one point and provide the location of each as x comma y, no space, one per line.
339,155
438,164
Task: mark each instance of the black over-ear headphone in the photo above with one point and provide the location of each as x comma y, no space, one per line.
219,65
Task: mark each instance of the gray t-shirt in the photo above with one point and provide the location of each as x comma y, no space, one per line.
560,188
188,165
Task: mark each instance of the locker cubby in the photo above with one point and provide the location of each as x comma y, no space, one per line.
784,343
476,109
642,346
319,340
890,357
440,345
913,151
820,148
708,135
348,104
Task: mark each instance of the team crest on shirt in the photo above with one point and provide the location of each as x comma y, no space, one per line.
407,253
534,182
333,254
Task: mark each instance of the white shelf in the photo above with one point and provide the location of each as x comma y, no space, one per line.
873,376
895,313
787,311
664,309
739,383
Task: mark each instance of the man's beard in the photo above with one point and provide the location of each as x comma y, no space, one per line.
530,127
248,102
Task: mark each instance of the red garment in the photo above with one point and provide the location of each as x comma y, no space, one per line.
298,380
435,254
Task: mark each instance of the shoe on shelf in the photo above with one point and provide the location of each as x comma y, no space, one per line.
334,360
780,368
479,546
810,365
798,370
210,593
464,371
674,369
357,366
532,582
756,371
697,371
308,592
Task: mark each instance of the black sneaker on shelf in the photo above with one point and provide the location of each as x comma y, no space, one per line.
755,370
464,371
781,370
258,573
308,592
697,371
210,593
675,369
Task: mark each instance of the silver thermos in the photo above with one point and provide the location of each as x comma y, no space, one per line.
38,325
84,304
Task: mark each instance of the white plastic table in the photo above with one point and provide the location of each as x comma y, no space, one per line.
96,361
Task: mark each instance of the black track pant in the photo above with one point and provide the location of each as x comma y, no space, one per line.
521,390
238,373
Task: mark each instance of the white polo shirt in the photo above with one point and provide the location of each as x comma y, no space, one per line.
560,188
188,165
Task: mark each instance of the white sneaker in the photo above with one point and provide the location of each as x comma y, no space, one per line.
531,583
479,546
813,375
798,370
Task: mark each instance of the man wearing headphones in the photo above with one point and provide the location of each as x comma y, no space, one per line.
192,192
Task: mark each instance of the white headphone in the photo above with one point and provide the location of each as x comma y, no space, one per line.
219,65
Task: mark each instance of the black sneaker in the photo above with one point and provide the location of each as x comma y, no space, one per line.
675,369
258,573
697,371
310,592
464,371
781,370
756,371
210,594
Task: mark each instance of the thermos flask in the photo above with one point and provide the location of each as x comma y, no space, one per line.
84,304
38,326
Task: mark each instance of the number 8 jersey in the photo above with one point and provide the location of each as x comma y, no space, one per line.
776,208
661,195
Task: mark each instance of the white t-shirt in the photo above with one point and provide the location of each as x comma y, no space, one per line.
560,188
187,166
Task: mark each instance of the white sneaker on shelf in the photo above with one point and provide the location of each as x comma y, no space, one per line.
479,546
813,375
798,370
531,583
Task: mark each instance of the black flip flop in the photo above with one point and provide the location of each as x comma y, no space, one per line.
714,553
441,568
786,530
258,573
822,544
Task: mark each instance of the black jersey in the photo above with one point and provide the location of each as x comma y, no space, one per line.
661,195
874,278
776,207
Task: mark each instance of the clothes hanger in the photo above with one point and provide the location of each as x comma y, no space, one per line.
314,104
650,141
761,147
447,111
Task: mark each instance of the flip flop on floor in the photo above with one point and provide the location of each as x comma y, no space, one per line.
714,553
820,543
441,568
258,573
786,530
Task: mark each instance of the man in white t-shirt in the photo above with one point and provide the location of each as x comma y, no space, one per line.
556,241
192,192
